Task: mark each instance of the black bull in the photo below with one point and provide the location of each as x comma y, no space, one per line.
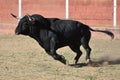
53,33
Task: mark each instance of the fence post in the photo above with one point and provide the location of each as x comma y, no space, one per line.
20,8
115,13
67,9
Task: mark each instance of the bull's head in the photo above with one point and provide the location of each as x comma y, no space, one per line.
24,24
31,23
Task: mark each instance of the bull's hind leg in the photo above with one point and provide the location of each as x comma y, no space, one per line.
88,51
76,49
85,43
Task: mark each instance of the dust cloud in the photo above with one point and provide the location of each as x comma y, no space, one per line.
109,59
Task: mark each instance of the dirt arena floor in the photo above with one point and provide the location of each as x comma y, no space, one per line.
21,58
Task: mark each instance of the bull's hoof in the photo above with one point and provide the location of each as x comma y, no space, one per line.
64,61
88,61
61,59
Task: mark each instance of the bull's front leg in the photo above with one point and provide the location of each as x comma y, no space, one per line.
53,51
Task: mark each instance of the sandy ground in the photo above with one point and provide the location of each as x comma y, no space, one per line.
21,58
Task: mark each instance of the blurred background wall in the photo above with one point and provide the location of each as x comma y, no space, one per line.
96,13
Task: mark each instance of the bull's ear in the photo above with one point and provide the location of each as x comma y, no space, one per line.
15,16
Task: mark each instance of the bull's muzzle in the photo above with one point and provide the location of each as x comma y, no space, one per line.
16,32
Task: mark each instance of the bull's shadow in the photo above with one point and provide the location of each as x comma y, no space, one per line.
98,63
78,65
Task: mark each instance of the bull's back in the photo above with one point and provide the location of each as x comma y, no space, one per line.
64,26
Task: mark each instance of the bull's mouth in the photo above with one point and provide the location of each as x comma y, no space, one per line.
17,33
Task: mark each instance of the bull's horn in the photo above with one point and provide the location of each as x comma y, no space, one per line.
30,19
15,16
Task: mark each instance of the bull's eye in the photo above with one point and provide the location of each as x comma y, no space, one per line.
25,23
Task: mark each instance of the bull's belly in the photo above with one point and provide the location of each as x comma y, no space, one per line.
64,43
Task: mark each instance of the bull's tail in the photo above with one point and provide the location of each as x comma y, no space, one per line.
104,31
